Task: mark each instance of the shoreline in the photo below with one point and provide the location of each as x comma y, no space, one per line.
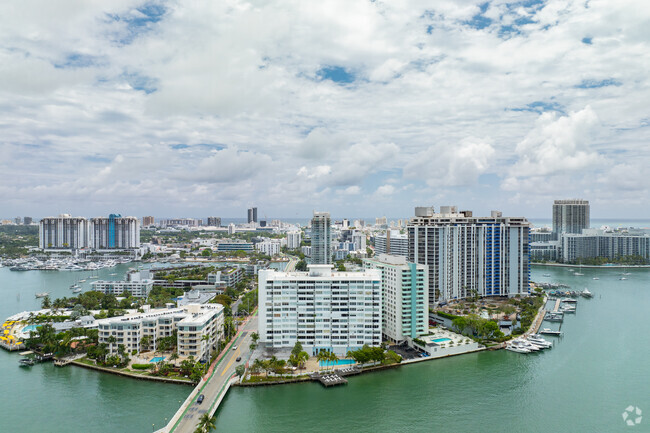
606,266
370,369
132,375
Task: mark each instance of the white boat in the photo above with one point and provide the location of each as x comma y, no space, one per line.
540,342
622,278
546,275
549,331
74,286
82,281
77,290
586,293
580,274
42,295
516,349
595,278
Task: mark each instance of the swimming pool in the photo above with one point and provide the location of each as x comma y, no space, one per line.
339,362
157,359
28,328
441,340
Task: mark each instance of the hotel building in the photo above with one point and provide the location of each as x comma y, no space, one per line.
393,243
570,216
321,239
321,308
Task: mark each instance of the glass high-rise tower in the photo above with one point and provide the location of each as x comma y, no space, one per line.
321,238
570,216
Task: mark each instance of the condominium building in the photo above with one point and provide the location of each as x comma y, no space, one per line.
138,284
467,255
570,216
114,232
359,240
392,242
180,222
405,297
608,244
323,309
63,231
321,238
293,240
192,322
148,221
270,247
214,221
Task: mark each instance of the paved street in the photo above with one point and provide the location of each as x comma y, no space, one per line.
224,369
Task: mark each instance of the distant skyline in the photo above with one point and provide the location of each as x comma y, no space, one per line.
208,108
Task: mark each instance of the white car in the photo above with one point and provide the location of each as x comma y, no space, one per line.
234,348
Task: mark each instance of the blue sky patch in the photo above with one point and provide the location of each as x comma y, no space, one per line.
141,82
139,21
336,74
595,84
77,60
586,40
540,107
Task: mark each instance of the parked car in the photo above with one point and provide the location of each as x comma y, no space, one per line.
200,399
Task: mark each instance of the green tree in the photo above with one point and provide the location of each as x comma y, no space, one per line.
46,303
240,369
206,423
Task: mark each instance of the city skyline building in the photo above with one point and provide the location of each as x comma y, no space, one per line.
214,221
148,221
570,216
63,232
392,242
321,238
114,232
252,215
468,255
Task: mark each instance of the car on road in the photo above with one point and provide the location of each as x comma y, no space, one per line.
238,359
234,348
200,399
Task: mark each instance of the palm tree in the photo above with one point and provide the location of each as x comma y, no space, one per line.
206,338
302,358
111,340
206,423
322,356
333,358
174,357
255,337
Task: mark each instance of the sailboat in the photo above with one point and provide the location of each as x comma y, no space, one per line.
579,273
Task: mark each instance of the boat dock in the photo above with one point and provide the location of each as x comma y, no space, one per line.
556,308
336,377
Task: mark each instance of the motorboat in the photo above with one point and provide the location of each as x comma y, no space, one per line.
74,286
586,293
622,278
595,278
549,331
546,275
77,290
26,362
41,295
568,309
569,300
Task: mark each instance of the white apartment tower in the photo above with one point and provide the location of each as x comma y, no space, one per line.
393,243
321,238
467,254
293,240
323,309
64,231
405,297
114,232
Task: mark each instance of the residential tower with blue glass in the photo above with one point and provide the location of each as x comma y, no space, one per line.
468,255
114,232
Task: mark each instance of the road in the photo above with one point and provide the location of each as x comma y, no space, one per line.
222,373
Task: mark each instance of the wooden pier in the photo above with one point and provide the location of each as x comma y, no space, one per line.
336,377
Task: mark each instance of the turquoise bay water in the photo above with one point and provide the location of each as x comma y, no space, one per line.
72,399
583,384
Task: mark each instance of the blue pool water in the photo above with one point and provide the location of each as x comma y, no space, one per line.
28,328
339,362
157,359
440,340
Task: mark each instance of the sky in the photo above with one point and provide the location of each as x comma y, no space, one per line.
361,108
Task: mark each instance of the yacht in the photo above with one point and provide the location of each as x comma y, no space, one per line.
568,309
586,293
517,349
595,278
74,286
622,278
77,290
549,331
539,341
42,295
82,281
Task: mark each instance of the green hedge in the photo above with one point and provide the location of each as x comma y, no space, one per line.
446,315
142,366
